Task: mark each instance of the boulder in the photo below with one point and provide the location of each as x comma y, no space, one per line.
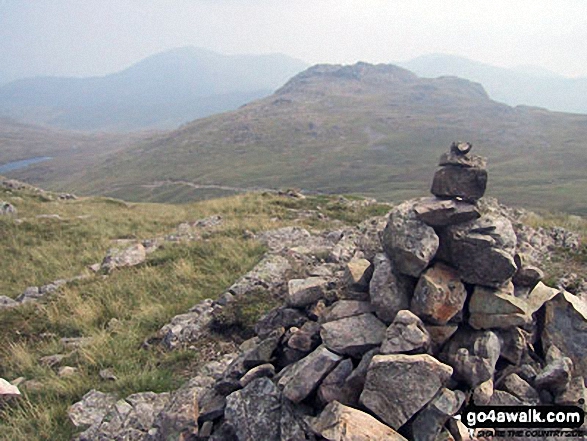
565,326
462,158
390,292
473,355
306,338
513,344
264,370
430,420
527,274
439,335
7,302
439,295
91,409
355,382
185,329
303,377
346,308
281,317
409,242
497,308
483,392
338,422
442,212
406,334
117,258
454,181
358,273
7,390
303,292
555,376
520,389
539,296
353,335
398,386
332,387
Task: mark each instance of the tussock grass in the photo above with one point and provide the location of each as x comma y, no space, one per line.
118,313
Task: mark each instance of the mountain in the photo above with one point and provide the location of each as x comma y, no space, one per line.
161,91
373,130
525,85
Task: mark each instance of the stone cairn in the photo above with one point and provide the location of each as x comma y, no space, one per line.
449,314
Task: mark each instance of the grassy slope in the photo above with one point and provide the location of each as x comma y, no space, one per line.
118,313
375,131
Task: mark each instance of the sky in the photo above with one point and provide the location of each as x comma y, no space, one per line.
95,37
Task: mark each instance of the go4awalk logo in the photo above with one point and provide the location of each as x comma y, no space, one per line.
565,417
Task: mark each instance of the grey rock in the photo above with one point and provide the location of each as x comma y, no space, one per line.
539,295
520,389
117,258
483,392
353,335
439,335
264,370
357,274
7,390
277,318
7,209
573,393
269,274
430,420
555,376
473,355
466,183
91,409
439,295
305,339
30,294
338,422
303,292
211,405
332,387
355,382
442,212
527,275
7,302
185,329
389,292
262,353
409,242
345,308
513,344
503,398
305,375
406,334
398,386
492,308
565,326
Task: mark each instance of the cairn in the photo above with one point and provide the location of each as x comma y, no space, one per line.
448,313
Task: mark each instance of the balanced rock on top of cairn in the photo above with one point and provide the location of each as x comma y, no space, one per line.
461,175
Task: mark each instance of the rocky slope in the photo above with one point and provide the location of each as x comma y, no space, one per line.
386,332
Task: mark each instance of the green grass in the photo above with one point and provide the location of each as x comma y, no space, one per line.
119,313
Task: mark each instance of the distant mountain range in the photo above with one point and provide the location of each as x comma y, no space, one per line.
161,91
362,129
529,86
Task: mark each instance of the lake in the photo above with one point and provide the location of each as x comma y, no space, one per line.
15,165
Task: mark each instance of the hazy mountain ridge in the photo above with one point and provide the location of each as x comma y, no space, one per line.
514,86
161,91
371,130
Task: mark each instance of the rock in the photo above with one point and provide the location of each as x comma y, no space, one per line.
129,419
473,355
107,374
52,360
513,344
358,273
442,212
332,387
565,326
305,339
338,422
31,294
406,334
346,308
7,209
179,418
492,308
573,394
258,412
91,409
211,405
7,390
520,389
439,295
389,292
409,242
262,352
459,154
7,302
66,371
398,386
527,275
483,392
304,376
277,318
502,398
439,335
269,274
131,256
430,420
556,376
264,370
353,335
460,148
355,382
185,329
482,250
303,292
466,183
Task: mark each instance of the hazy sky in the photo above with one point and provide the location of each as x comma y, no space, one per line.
91,37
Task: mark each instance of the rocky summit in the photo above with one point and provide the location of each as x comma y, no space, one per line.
388,337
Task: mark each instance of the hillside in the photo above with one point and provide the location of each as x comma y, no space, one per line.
161,91
364,129
522,86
